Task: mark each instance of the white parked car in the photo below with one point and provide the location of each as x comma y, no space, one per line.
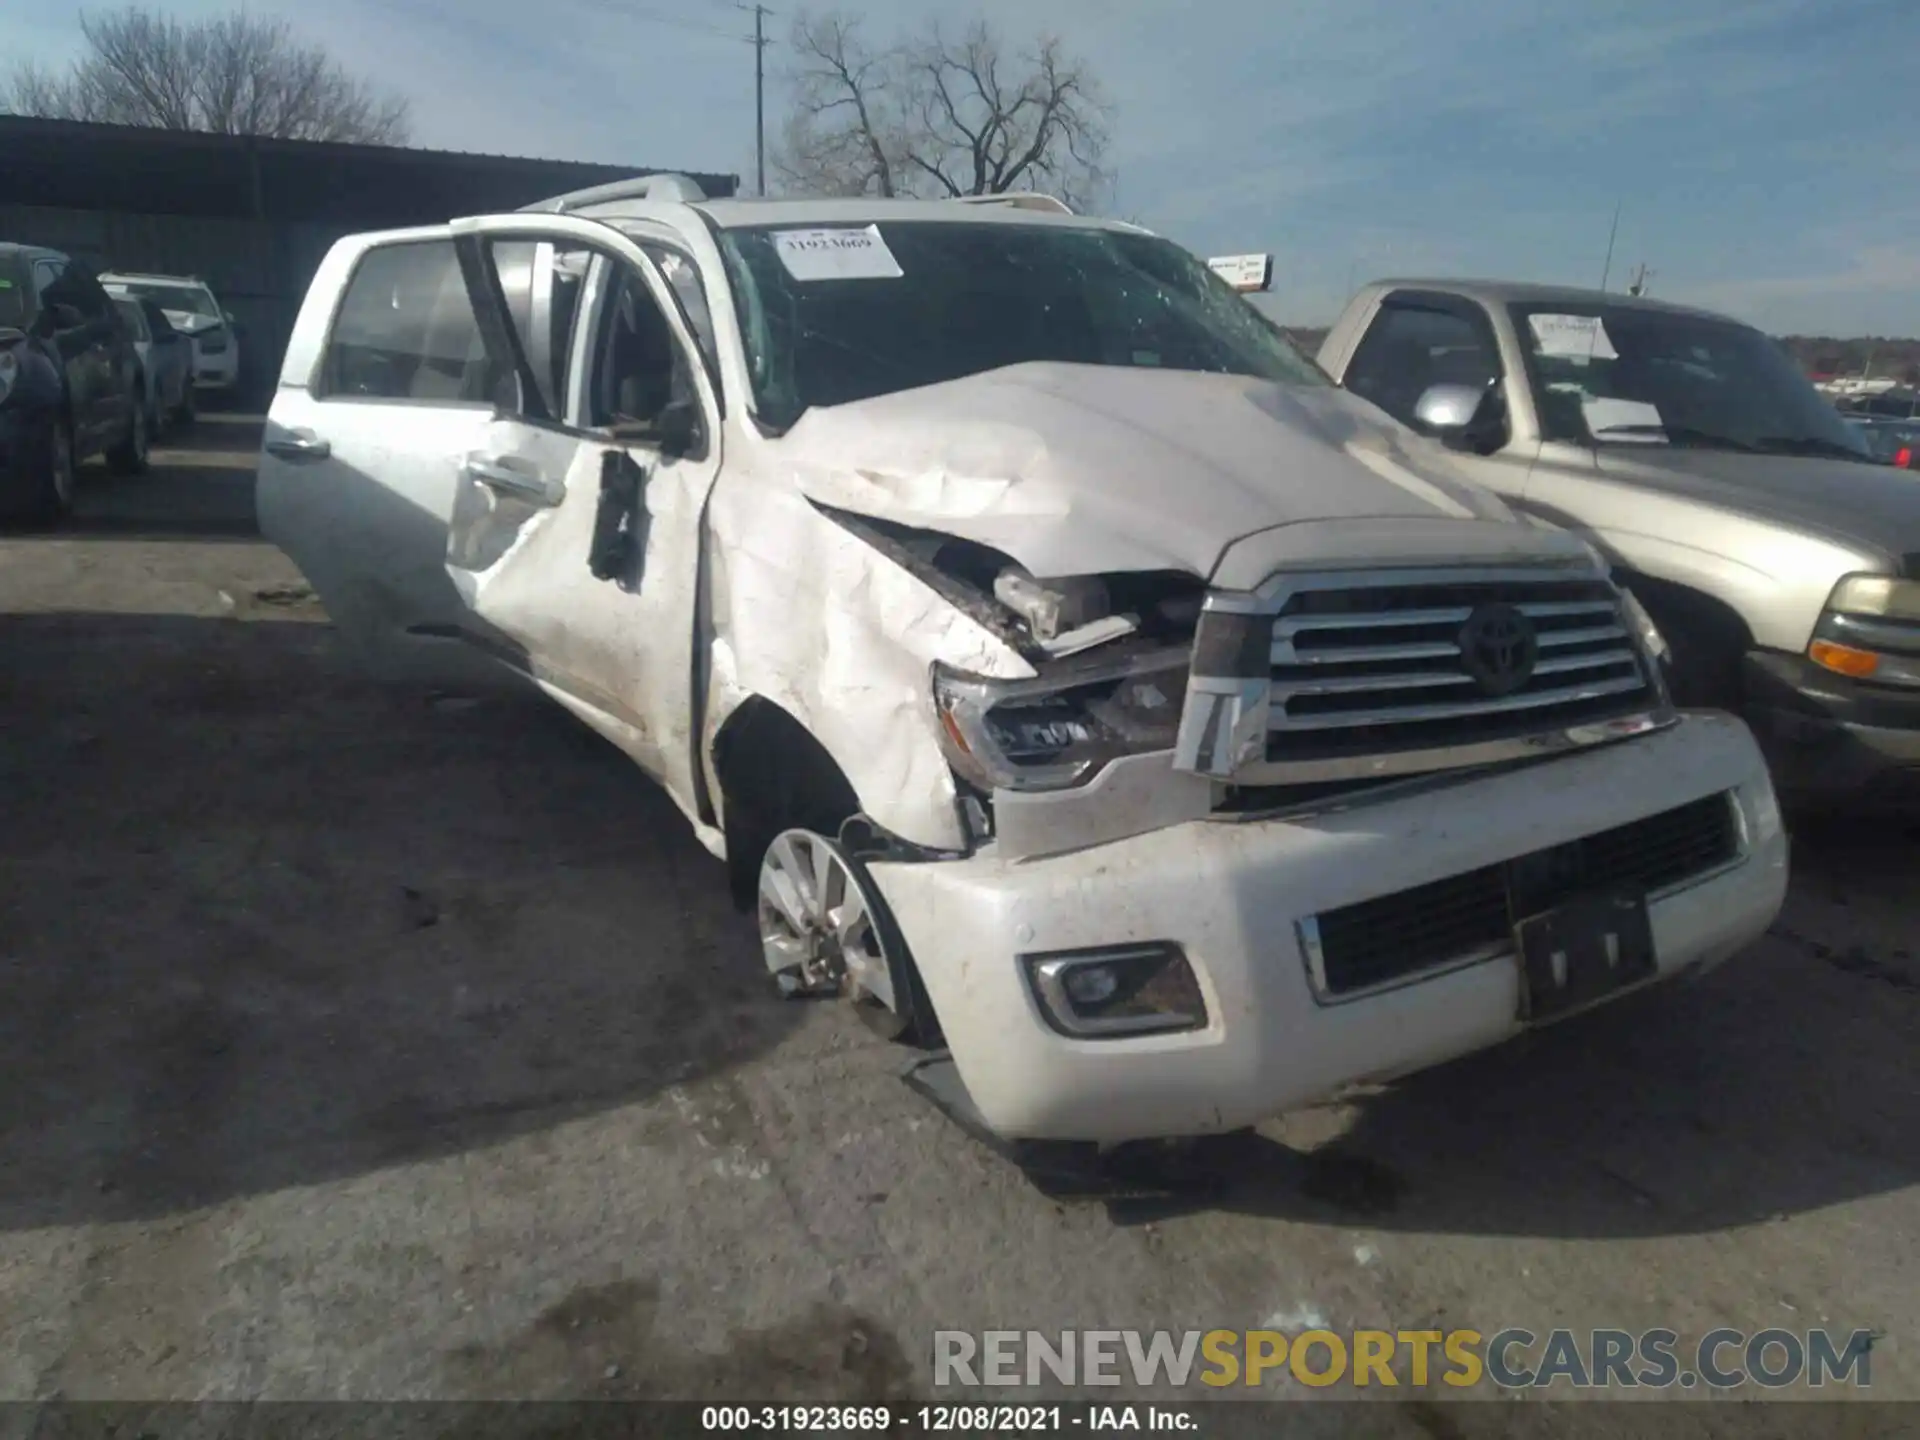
191,308
166,362
1067,672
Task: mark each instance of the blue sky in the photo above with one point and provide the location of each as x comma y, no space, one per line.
1766,152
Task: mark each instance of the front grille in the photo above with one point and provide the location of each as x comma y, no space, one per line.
1382,668
1889,635
213,342
1390,938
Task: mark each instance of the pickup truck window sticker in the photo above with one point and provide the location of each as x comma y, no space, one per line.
1574,337
1632,420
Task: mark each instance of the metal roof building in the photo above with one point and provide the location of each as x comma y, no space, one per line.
250,215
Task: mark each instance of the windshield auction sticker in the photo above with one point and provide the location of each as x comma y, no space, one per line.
840,254
1576,337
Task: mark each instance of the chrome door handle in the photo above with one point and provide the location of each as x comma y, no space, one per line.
518,483
299,445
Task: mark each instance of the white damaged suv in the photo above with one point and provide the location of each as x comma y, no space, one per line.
1070,675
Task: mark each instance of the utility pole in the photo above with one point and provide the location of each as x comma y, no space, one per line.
1607,269
760,43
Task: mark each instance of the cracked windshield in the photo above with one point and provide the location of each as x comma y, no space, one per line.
959,718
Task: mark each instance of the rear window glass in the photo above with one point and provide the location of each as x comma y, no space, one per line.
185,299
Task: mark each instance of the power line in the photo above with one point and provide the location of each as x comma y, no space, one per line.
758,40
679,22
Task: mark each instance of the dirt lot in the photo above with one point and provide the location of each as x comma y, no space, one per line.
371,1043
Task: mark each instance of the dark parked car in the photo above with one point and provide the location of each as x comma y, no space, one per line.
71,385
1895,441
1899,403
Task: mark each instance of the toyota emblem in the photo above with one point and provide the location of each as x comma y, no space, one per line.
1499,648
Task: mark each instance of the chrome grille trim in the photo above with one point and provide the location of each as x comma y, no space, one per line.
1454,615
1901,637
1414,680
1411,714
1366,678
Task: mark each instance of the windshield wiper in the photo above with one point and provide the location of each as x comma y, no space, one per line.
1810,445
1678,434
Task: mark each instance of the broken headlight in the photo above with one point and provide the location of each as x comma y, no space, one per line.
1060,729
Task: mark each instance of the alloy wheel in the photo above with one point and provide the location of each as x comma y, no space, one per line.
822,930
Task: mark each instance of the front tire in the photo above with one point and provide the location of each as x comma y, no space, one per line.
785,804
52,500
826,932
130,456
50,486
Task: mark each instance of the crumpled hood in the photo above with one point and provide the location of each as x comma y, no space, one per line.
1079,469
1870,507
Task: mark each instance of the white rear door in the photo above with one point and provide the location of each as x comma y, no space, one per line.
385,390
578,528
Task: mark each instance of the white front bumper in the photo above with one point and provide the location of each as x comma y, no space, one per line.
1231,896
213,372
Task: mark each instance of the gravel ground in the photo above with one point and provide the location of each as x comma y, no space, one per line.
370,1043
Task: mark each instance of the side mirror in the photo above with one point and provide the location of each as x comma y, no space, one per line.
681,432
677,430
1448,407
1464,417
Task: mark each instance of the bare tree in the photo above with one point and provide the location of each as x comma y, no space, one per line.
848,130
238,74
936,116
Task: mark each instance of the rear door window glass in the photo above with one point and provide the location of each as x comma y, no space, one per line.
541,283
405,330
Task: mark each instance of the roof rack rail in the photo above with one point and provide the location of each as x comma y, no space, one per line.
637,187
1019,200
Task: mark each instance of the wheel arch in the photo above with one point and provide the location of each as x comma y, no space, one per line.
772,770
1683,602
775,774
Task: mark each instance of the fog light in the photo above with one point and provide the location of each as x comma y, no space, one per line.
1091,986
1120,990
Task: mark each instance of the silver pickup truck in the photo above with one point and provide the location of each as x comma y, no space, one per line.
1780,561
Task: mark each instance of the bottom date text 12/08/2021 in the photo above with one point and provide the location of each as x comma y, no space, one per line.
942,1419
